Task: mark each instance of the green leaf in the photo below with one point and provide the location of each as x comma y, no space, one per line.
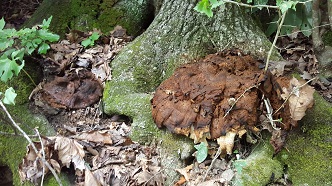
86,42
5,43
2,23
94,36
204,7
46,23
8,68
202,151
10,96
18,55
216,3
48,36
43,48
285,5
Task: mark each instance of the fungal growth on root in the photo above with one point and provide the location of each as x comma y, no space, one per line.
225,95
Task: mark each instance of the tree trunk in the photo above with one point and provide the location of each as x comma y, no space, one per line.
177,35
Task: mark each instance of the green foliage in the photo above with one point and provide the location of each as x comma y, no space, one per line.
15,44
206,6
91,40
298,14
202,151
9,96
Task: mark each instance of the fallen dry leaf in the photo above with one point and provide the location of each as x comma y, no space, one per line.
95,136
89,179
69,151
300,99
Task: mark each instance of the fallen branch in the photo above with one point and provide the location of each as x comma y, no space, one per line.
31,143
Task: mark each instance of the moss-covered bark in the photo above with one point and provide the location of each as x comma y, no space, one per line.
86,15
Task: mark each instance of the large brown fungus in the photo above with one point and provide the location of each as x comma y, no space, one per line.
219,97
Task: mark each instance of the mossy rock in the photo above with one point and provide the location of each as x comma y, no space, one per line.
308,152
259,167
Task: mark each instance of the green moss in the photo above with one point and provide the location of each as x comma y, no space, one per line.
51,181
308,153
259,167
13,148
86,15
327,38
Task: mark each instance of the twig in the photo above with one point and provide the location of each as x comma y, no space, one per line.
212,162
31,143
43,153
269,111
13,134
275,39
251,6
293,91
233,104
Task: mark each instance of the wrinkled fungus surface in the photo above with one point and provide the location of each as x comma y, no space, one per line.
74,90
221,93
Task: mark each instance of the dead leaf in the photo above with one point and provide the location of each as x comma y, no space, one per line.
89,179
95,136
69,151
301,98
185,171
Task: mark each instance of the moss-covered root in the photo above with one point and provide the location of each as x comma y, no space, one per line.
309,148
258,168
173,148
13,148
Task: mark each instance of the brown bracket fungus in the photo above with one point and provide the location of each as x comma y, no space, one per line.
219,97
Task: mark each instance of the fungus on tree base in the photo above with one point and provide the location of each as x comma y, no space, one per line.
219,97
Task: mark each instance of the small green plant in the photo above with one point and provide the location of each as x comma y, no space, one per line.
202,151
15,44
91,40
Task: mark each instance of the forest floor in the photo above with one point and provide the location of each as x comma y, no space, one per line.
112,157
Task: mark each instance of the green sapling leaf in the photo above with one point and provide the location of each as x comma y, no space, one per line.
204,7
48,36
202,151
216,3
10,96
5,43
94,36
2,23
7,67
46,23
43,48
86,42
